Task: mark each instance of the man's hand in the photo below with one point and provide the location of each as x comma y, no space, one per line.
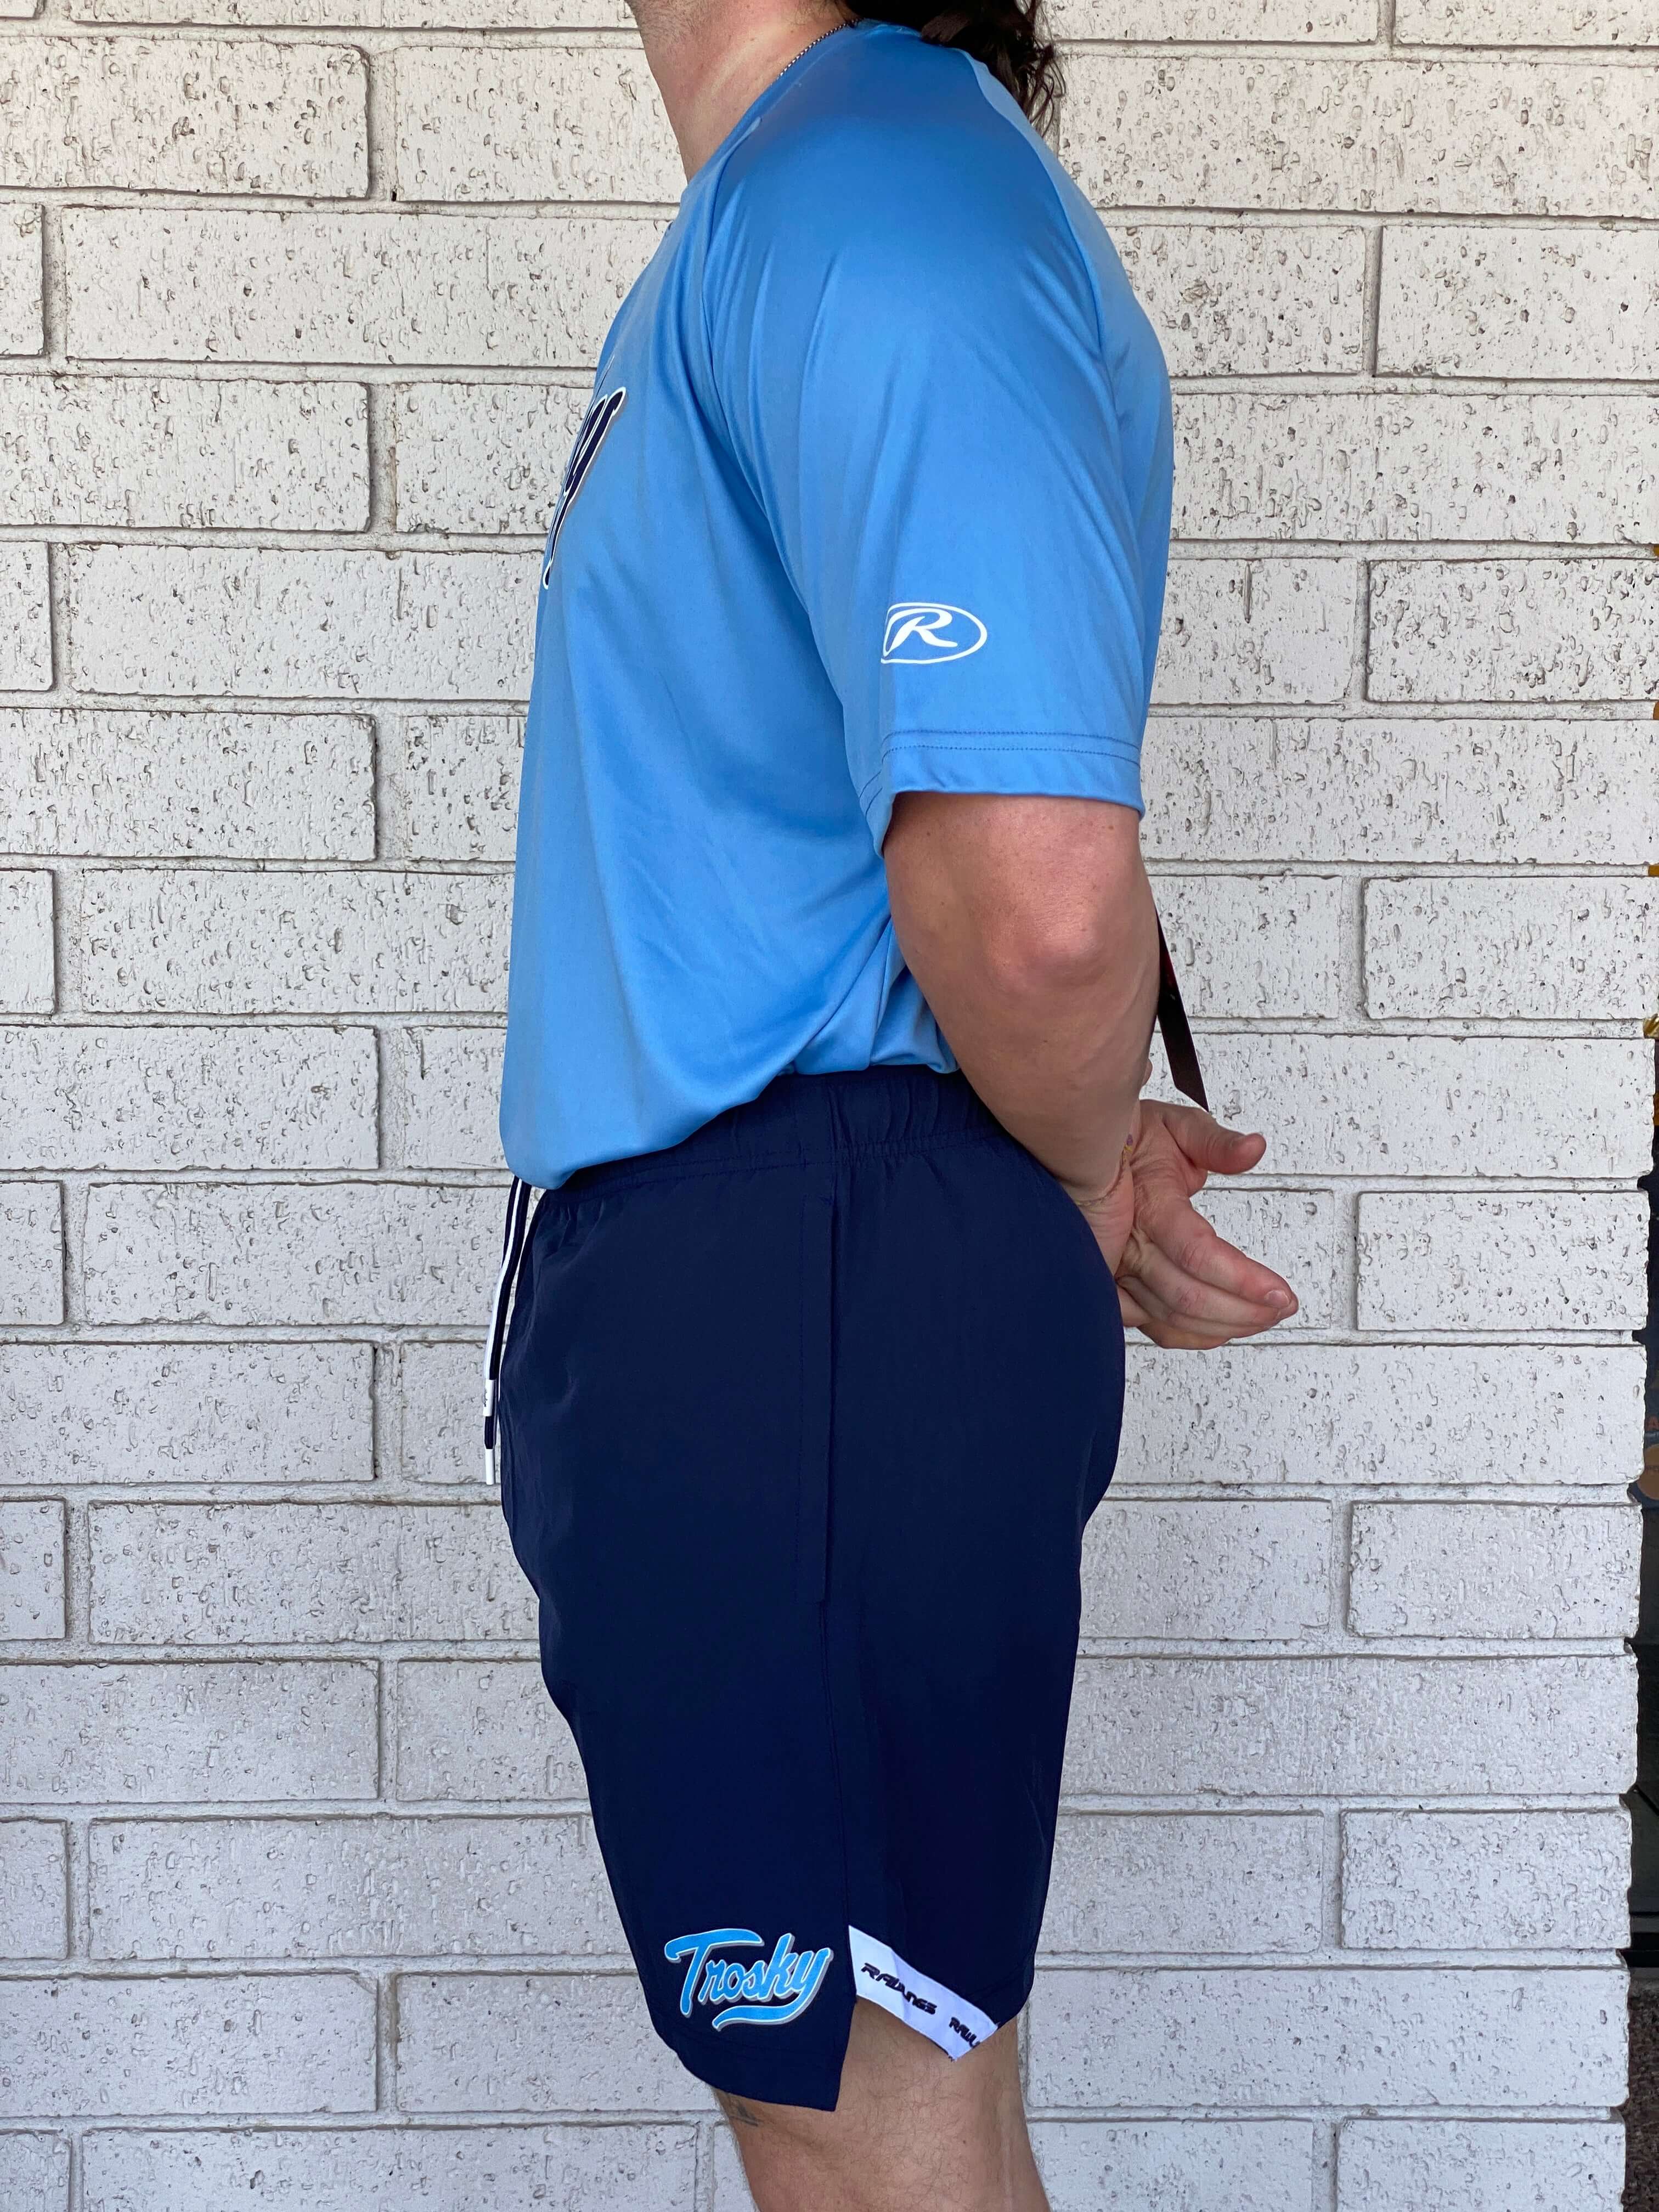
1177,1280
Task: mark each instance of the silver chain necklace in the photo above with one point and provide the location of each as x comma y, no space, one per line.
807,49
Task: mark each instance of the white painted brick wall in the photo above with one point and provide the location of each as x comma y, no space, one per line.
1326,2036
20,280
1498,1881
25,624
213,285
27,961
298,303
178,455
645,2168
189,1097
33,1870
1558,948
202,940
243,786
1491,301
31,1571
1483,2166
1406,789
194,2045
1298,130
31,1252
145,1413
184,115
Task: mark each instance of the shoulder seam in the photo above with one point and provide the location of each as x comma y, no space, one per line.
1063,213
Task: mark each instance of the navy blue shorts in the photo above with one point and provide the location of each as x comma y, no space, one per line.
800,1422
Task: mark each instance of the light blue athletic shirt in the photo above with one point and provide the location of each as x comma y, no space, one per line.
873,496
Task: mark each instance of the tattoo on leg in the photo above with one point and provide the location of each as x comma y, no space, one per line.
742,2116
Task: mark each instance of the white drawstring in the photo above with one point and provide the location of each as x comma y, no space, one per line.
521,1203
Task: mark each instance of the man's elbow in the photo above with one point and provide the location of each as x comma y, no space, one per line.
1082,948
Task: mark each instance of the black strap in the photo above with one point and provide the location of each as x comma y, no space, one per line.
1178,1046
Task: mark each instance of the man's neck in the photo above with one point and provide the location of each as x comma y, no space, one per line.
712,58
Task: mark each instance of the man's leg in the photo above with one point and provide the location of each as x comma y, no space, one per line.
912,2127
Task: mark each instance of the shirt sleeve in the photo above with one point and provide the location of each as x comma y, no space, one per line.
911,365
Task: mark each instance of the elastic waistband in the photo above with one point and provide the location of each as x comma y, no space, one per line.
802,1121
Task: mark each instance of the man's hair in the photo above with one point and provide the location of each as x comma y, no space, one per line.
1007,35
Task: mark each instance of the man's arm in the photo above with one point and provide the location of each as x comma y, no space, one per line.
1029,924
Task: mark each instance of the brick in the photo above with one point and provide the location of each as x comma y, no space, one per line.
1208,20
31,1253
34,2169
20,328
478,457
1486,1881
1560,1260
241,787
437,1390
1291,925
1481,2166
230,2043
442,1098
25,624
1460,300
534,2043
1503,1106
1237,1572
173,454
1530,948
1350,1726
1524,23
31,1569
1255,299
1327,2036
1548,630
354,1888
1198,1883
570,2168
304,1573
1242,633
1523,466
1533,1572
144,1413
295,1254
1293,1232
33,1875
388,625
241,1733
1295,130
184,115
415,290
532,122
1397,789
453,785
469,1730
189,1097
237,942
376,15
1180,2166
27,961
1275,1412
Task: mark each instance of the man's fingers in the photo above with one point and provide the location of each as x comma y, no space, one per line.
1147,1313
1170,1292
1171,1236
1208,1144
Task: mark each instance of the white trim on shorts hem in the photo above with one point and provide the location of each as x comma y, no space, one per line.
940,2015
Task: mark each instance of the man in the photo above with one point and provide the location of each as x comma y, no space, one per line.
808,1344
